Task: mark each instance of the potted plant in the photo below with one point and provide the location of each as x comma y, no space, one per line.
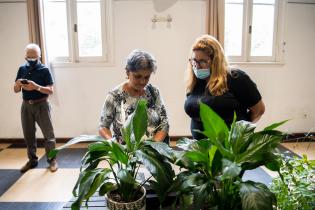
214,166
295,186
119,181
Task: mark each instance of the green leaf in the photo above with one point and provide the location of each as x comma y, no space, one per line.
76,204
228,141
105,188
182,181
215,161
97,182
162,148
214,126
197,156
83,138
119,153
184,143
225,152
183,161
240,136
126,133
83,186
198,152
201,194
76,186
161,170
202,145
99,147
125,176
211,154
272,162
187,200
91,159
260,144
230,169
256,196
140,120
275,125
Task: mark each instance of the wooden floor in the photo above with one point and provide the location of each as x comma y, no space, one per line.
40,189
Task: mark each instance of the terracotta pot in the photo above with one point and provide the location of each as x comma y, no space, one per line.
135,205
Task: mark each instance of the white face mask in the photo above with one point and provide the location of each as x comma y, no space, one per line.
31,59
201,73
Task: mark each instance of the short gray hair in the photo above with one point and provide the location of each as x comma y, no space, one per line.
33,46
139,60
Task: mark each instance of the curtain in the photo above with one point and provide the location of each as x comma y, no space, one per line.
35,21
37,36
216,19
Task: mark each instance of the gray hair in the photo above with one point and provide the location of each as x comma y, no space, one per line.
139,60
33,46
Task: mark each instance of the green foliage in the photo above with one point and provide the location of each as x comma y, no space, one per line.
124,162
214,166
295,187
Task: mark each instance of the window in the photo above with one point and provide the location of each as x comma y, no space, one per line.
77,31
253,30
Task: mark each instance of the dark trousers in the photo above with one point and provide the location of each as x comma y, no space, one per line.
37,113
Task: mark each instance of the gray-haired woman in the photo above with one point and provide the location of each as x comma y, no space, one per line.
121,101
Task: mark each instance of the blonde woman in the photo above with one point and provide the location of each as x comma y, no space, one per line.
226,90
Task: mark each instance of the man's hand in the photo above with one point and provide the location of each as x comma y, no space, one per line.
30,86
18,82
17,85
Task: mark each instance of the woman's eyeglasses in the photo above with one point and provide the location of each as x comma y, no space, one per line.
201,62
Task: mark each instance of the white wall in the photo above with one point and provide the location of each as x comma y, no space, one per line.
13,38
287,89
80,91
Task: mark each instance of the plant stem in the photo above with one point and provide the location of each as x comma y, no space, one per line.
110,165
135,174
139,187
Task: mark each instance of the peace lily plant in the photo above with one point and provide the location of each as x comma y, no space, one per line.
214,166
119,181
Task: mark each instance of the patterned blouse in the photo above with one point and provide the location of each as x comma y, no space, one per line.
119,104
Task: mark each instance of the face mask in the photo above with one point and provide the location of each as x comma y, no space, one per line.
32,61
201,73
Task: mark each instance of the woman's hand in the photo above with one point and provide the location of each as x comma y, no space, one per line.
257,111
105,133
159,136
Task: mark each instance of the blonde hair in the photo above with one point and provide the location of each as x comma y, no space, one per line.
217,84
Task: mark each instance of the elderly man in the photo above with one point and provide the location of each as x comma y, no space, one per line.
35,81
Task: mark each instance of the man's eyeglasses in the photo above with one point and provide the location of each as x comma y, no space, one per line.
201,62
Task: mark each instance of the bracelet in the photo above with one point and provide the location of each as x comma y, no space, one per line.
38,89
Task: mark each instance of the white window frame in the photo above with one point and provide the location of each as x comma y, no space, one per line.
73,41
278,36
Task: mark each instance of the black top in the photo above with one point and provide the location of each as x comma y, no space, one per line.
242,93
39,74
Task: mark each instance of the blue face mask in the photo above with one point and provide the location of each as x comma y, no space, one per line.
201,73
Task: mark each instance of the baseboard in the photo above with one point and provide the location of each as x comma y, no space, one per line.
300,137
66,139
21,140
294,137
